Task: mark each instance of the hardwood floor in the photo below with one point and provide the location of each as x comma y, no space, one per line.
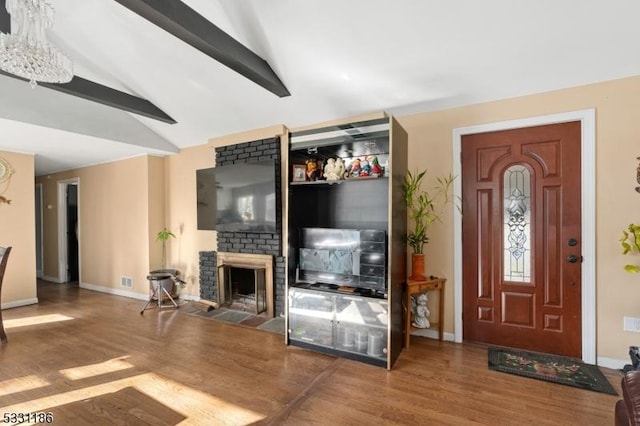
91,358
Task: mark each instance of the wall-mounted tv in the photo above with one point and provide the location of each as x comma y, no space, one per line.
238,197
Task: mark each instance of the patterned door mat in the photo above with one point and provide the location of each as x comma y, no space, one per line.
550,368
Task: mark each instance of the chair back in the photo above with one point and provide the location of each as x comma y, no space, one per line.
4,256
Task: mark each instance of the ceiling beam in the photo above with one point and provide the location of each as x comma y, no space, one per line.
5,19
104,95
189,26
96,92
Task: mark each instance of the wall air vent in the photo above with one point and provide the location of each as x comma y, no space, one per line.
126,282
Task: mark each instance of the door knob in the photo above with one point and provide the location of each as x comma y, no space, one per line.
572,258
572,242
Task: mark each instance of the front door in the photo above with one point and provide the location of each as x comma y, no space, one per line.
521,229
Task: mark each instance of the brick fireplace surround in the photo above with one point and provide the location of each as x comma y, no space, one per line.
248,242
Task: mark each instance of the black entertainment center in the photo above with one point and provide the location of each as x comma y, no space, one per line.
346,257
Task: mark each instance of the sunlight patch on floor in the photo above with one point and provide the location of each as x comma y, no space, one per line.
199,408
109,366
42,319
21,384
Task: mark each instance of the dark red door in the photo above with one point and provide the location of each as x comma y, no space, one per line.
522,238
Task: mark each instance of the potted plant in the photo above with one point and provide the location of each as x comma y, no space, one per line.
163,236
630,242
425,207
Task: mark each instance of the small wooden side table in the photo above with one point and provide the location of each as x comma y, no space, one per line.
422,286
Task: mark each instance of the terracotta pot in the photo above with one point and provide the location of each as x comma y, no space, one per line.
417,267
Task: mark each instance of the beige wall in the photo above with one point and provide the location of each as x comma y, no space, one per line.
17,229
617,105
116,218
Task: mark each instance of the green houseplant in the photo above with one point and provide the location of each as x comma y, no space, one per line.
630,242
163,236
425,207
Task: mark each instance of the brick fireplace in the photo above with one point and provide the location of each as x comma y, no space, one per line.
249,243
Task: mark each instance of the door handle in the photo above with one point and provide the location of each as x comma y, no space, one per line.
572,242
572,258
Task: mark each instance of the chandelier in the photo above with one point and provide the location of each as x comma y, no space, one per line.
26,52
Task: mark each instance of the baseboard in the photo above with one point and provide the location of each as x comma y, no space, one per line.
115,291
18,303
615,364
189,297
433,334
51,279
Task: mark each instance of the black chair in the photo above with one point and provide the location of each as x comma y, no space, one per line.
4,256
157,279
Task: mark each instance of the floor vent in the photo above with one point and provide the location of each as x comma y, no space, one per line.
126,282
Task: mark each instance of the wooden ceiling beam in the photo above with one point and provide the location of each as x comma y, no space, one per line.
189,26
5,19
86,89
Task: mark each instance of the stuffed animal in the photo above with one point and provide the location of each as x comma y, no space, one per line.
313,171
334,169
365,168
376,168
354,169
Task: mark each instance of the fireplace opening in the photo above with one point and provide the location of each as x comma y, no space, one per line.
245,282
243,288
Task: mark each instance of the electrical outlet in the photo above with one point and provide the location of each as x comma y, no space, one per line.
632,324
128,282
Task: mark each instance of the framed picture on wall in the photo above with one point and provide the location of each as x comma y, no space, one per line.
299,173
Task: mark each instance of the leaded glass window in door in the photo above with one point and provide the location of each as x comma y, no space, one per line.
517,230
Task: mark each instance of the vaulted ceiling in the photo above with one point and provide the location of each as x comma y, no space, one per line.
336,58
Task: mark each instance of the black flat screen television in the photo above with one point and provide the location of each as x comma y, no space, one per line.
238,197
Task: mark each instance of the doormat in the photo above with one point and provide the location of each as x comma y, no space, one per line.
550,368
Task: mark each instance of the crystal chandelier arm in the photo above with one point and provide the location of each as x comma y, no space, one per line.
25,50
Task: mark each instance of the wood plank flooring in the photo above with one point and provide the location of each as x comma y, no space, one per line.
91,358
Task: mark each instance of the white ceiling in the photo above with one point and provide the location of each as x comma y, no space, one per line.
337,58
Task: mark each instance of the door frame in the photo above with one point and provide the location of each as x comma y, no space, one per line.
39,230
587,118
63,258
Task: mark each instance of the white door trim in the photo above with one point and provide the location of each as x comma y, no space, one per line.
587,119
39,230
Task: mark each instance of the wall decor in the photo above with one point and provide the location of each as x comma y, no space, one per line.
5,178
5,170
638,175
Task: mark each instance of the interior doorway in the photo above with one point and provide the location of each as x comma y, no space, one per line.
69,230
